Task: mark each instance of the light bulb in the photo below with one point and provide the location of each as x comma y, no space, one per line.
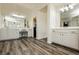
62,9
71,7
66,8
20,16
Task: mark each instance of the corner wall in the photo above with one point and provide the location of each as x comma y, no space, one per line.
41,24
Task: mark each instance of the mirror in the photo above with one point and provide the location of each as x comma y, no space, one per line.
16,23
70,18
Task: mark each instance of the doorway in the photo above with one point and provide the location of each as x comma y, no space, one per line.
35,27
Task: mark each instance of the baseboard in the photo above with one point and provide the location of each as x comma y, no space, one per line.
49,42
65,46
14,38
9,39
41,38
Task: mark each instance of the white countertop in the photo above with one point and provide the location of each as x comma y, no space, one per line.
76,28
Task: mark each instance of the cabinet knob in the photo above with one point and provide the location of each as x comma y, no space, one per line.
72,32
53,31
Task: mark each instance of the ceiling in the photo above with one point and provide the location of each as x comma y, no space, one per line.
39,6
25,8
33,6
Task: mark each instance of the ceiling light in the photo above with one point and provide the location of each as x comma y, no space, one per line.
20,16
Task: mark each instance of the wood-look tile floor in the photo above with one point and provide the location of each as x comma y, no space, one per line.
30,46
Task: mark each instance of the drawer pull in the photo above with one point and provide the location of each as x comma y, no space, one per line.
72,32
53,31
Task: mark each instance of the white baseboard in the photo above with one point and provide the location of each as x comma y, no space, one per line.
49,41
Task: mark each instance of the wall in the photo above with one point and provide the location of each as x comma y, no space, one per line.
1,22
53,16
41,24
1,19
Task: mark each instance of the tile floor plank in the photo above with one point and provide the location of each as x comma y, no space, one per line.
31,46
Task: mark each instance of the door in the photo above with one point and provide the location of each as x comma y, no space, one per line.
34,28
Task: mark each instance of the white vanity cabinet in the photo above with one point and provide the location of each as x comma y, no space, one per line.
13,33
3,34
66,37
6,34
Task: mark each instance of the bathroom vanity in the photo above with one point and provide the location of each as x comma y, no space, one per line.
8,34
67,36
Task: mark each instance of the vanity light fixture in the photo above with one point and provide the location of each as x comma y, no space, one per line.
62,9
66,8
8,18
71,6
20,16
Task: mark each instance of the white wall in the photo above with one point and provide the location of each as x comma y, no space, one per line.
53,16
1,19
1,22
41,24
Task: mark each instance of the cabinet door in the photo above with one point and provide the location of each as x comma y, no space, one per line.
56,37
53,36
3,34
13,33
70,40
